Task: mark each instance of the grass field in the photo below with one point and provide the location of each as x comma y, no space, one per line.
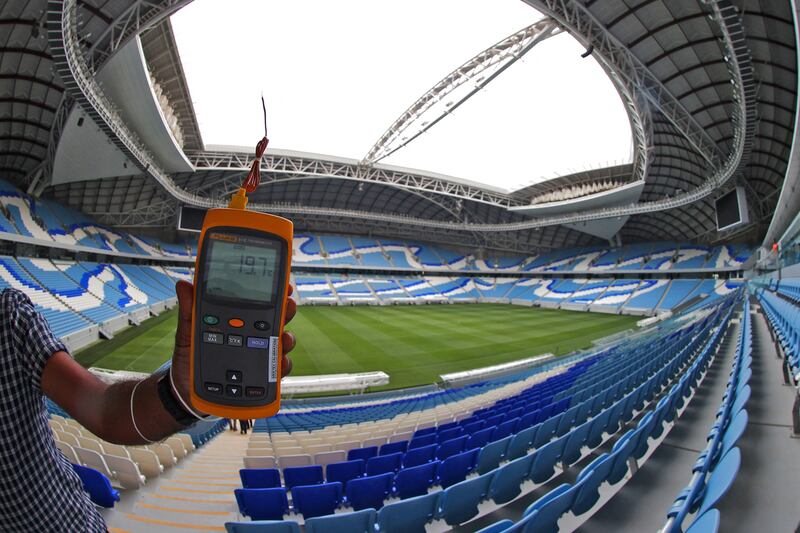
413,344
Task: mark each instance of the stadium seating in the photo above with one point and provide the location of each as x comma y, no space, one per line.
97,486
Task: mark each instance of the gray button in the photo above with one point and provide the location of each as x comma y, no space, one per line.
213,338
235,340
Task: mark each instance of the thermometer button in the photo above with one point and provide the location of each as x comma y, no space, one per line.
234,376
261,325
234,391
213,338
211,320
236,322
213,388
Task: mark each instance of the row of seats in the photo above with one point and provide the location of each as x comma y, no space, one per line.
717,465
784,319
564,435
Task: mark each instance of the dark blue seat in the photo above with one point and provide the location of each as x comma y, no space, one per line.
451,447
449,433
394,447
263,526
455,468
369,492
424,440
473,427
480,438
420,456
302,475
459,502
344,471
260,478
505,429
588,493
356,522
408,516
362,453
546,431
262,504
495,420
415,480
317,500
424,431
384,463
97,486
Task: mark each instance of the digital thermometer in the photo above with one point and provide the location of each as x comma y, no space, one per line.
241,284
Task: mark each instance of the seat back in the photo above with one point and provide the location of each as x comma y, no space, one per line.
420,441
545,459
459,502
356,522
164,454
125,471
92,459
317,500
369,492
68,451
97,486
415,480
521,443
260,478
344,471
289,461
451,447
394,447
508,478
147,461
409,515
543,514
492,454
419,456
362,453
265,461
262,504
302,475
263,526
505,429
384,463
455,468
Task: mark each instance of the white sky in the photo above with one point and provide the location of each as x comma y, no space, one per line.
335,76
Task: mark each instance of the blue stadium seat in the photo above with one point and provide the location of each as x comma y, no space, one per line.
344,471
415,480
574,443
394,447
546,458
362,453
262,504
408,516
356,522
302,475
422,441
588,493
505,429
369,492
97,486
449,433
451,447
721,479
419,456
260,478
316,500
263,526
543,514
498,527
708,522
456,468
506,483
459,502
384,463
521,443
492,455
480,438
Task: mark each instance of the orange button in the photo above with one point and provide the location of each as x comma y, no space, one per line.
236,322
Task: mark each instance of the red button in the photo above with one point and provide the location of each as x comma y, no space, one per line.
236,322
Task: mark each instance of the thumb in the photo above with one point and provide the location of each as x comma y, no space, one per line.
183,334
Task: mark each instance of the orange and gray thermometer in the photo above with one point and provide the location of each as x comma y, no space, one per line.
241,285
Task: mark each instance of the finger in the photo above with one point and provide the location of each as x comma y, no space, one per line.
286,366
288,342
291,309
185,292
291,290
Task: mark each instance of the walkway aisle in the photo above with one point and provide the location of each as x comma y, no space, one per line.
195,495
641,506
766,494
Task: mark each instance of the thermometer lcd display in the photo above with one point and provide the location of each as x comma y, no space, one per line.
241,268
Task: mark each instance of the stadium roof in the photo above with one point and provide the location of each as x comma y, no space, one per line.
711,93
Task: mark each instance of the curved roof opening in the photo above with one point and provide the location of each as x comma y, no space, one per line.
335,75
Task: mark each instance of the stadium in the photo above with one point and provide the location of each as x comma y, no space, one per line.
614,346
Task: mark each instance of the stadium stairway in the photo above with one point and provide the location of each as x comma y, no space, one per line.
195,495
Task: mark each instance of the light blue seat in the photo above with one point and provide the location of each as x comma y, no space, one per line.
480,438
597,427
545,459
262,504
543,514
708,522
382,464
451,447
408,516
459,503
415,480
263,526
456,468
721,479
620,453
419,456
734,431
492,455
498,527
97,486
356,522
588,489
521,443
546,431
369,492
574,443
741,399
506,483
302,475
344,471
316,500
260,478
642,434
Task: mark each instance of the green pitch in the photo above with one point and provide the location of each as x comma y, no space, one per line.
413,344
